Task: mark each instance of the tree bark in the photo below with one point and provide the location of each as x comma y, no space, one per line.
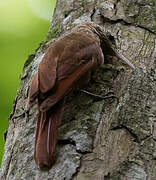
99,139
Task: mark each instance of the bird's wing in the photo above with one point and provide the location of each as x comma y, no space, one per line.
47,72
65,62
64,57
65,85
75,64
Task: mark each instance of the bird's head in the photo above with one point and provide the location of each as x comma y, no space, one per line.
105,38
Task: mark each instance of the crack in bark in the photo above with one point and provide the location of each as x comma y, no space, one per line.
93,12
13,109
72,142
125,23
145,139
76,172
145,28
20,115
67,13
66,141
4,177
120,127
5,135
107,177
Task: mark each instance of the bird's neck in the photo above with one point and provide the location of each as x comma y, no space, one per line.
88,30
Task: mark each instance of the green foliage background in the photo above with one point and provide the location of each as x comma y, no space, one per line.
21,31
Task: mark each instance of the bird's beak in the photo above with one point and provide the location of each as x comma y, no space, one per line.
125,60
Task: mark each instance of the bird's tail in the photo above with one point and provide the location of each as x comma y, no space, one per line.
46,135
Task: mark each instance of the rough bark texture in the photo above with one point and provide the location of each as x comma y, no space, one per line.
98,139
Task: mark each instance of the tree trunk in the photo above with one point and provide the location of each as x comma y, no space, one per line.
99,139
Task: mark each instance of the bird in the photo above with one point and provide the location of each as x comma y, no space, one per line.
66,65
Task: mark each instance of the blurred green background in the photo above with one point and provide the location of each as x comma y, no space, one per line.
23,25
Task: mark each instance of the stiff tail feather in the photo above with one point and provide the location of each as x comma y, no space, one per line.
46,135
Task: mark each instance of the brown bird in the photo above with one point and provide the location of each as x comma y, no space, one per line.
66,62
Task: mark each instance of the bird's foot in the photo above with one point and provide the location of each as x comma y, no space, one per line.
107,96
